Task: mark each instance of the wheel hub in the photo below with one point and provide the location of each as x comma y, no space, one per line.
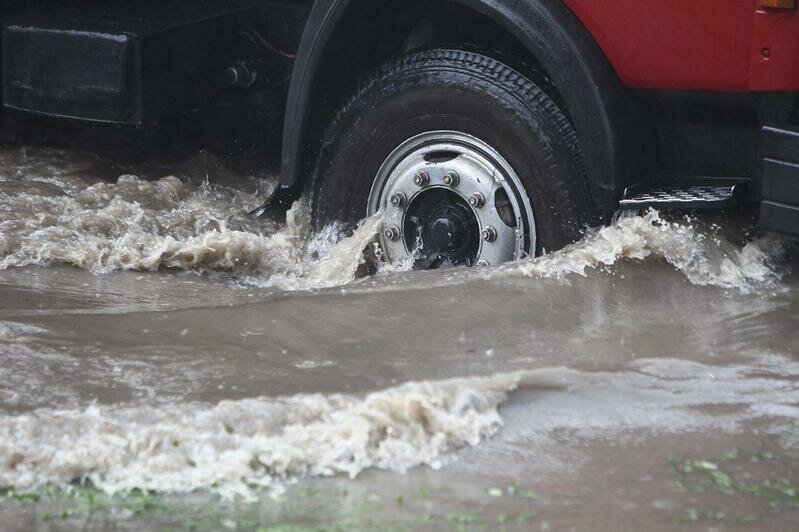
450,199
442,228
447,230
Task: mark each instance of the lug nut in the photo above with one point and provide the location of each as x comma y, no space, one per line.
489,234
482,263
398,199
392,232
421,179
452,179
477,200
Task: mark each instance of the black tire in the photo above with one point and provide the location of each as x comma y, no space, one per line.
460,91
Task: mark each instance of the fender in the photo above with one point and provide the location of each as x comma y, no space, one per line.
591,91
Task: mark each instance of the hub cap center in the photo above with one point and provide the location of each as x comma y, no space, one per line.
450,230
446,231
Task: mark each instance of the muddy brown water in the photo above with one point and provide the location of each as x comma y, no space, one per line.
154,337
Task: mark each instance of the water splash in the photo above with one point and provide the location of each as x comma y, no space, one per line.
135,224
237,445
139,224
704,258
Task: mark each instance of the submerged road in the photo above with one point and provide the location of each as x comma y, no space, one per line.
248,375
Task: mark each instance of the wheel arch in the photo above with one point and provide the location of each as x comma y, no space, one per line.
549,35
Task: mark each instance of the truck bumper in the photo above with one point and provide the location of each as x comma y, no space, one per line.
779,205
122,62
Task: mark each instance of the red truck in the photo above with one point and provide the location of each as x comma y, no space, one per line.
481,130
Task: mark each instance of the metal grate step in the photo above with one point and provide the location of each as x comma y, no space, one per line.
680,197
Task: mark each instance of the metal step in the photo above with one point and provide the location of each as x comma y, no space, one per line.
681,197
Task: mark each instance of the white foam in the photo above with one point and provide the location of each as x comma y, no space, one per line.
236,445
136,224
704,259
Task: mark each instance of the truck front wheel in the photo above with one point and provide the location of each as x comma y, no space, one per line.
468,162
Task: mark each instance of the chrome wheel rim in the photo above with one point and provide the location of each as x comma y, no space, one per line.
449,198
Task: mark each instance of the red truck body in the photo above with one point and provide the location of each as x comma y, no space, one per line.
706,45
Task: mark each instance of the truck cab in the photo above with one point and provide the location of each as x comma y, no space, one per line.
480,131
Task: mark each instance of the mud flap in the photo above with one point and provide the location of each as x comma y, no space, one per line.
280,200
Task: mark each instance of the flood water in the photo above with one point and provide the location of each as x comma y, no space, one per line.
155,337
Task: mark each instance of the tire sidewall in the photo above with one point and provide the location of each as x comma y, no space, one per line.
439,97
